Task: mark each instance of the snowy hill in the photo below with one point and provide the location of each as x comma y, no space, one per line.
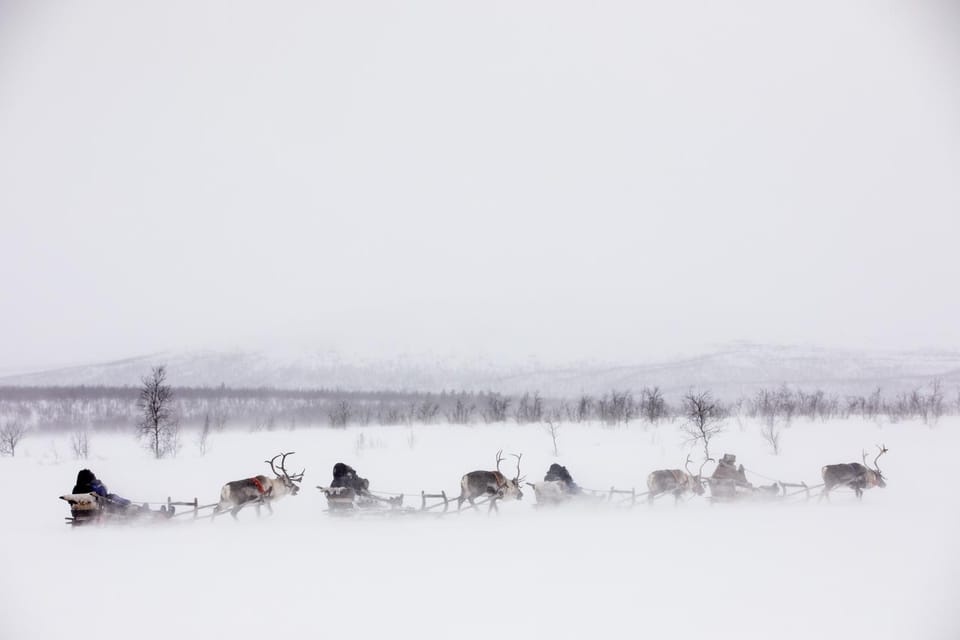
731,371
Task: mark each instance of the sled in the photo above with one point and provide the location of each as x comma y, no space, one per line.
552,493
91,508
731,490
347,500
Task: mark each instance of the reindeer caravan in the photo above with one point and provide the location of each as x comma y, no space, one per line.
350,494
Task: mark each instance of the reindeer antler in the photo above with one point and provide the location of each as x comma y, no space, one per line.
517,478
499,459
686,465
702,465
883,450
272,468
297,477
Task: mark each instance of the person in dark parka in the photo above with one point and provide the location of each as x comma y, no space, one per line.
345,476
558,473
87,482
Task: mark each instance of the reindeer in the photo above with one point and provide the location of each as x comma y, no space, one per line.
259,490
854,475
490,483
675,480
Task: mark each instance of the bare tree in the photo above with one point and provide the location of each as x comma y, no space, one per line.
427,411
340,414
581,412
529,409
158,424
203,440
770,431
462,412
652,405
496,410
11,433
935,401
80,443
218,418
389,414
553,429
703,419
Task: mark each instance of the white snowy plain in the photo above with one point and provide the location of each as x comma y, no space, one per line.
885,567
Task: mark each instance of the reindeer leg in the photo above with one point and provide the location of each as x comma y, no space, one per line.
269,506
493,506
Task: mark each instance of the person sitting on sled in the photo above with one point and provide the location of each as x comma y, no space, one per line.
345,476
558,473
87,482
727,470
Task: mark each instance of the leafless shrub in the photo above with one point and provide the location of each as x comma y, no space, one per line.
771,431
703,419
11,433
361,443
617,407
653,407
581,409
935,401
426,411
340,414
496,409
365,415
80,444
218,419
553,430
203,440
529,409
462,412
389,414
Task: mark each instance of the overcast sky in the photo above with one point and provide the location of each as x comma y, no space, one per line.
567,179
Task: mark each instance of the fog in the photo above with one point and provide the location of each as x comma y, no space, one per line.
607,180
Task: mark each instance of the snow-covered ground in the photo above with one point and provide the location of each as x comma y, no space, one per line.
887,567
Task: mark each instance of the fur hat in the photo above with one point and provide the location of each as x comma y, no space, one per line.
340,470
85,477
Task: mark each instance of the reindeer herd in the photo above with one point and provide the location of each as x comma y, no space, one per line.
495,486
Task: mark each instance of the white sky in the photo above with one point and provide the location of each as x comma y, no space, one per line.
568,179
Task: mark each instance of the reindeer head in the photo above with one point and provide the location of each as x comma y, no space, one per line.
880,480
289,482
510,488
695,482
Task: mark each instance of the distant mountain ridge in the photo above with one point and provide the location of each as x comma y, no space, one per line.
731,371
